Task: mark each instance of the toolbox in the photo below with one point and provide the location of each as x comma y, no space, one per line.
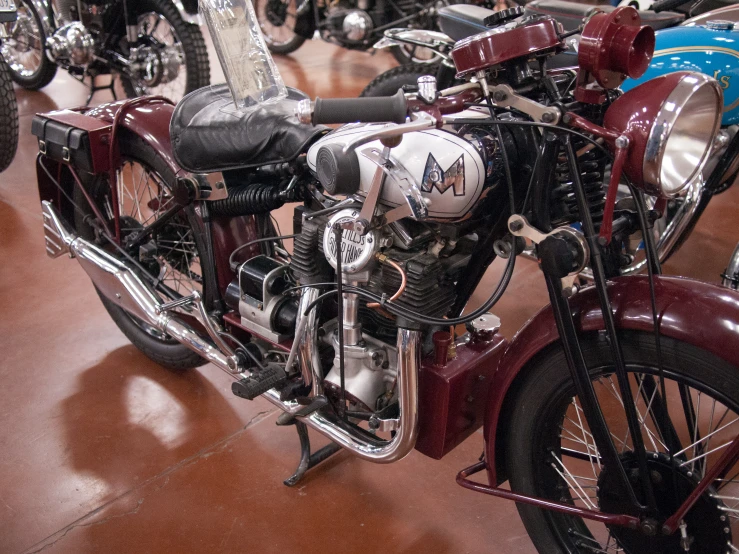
74,138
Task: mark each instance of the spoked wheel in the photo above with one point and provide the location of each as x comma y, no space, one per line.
171,59
144,185
277,20
552,454
23,49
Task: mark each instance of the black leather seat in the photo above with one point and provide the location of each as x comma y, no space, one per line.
208,133
571,14
463,20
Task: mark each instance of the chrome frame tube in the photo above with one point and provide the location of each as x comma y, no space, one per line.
405,437
123,286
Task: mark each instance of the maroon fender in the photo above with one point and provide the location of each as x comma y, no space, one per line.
148,117
701,314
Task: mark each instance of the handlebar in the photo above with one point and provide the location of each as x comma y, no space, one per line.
348,110
665,5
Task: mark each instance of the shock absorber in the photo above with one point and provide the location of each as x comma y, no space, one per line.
592,163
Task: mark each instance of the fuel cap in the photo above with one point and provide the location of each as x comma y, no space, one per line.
720,25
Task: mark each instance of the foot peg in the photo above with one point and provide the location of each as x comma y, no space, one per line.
259,382
316,404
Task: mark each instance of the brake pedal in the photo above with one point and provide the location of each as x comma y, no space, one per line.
259,382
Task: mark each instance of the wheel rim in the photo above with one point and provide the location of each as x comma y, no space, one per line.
23,49
579,480
160,65
419,54
143,195
271,12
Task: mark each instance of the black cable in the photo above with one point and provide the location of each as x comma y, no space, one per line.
251,242
504,153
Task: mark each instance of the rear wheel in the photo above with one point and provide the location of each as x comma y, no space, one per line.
171,59
551,453
144,185
23,49
8,117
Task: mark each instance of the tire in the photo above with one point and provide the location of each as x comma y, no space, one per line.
287,46
196,63
388,83
539,428
8,117
44,73
163,350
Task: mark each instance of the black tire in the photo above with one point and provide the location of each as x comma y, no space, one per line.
8,117
388,83
287,47
163,350
197,65
46,71
538,423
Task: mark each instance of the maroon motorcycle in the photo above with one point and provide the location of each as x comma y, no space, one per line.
612,413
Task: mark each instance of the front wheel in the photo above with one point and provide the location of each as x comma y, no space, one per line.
279,21
8,117
388,83
171,58
551,453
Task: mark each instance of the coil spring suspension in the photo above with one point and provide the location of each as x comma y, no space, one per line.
592,163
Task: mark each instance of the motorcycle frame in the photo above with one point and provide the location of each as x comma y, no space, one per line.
623,304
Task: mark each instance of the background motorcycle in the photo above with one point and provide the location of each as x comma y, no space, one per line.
8,103
147,42
360,301
355,24
692,47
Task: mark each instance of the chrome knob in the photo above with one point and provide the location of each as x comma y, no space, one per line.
427,88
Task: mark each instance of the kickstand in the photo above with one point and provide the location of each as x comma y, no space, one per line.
94,88
307,460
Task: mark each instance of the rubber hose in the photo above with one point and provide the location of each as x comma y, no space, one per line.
248,200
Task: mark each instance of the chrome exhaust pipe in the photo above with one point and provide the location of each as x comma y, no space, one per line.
116,281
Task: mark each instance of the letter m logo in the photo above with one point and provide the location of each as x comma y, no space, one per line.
435,176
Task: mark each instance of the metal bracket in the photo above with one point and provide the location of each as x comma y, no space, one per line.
506,97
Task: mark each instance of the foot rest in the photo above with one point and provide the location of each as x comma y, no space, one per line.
259,382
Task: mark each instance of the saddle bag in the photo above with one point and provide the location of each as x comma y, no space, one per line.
75,139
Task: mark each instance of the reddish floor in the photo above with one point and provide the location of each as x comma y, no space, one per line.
103,451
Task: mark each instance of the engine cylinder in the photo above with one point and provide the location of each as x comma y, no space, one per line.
71,43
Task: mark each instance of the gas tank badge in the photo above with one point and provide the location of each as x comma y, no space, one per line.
434,177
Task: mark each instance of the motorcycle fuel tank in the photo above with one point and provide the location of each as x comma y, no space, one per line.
447,170
702,49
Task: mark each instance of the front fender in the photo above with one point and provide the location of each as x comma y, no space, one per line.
701,314
146,117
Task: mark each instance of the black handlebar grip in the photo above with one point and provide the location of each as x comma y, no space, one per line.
664,5
366,110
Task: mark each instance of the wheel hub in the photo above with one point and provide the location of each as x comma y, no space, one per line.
276,12
707,525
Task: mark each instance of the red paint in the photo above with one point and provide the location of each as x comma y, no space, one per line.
233,319
614,46
701,314
148,118
622,520
606,226
445,105
633,115
442,340
452,397
493,48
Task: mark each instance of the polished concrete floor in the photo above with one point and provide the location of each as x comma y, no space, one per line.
101,450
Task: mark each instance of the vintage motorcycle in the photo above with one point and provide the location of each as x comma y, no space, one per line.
8,102
612,413
356,25
151,44
694,47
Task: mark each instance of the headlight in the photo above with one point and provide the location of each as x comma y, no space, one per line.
671,122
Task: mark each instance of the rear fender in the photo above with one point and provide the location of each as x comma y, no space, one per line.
701,314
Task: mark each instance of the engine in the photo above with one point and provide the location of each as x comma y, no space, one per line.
74,42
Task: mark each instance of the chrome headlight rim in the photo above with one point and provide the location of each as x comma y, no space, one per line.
665,125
